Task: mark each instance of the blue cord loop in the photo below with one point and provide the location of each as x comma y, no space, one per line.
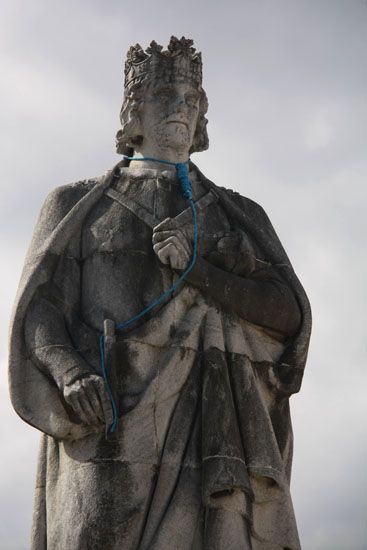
186,188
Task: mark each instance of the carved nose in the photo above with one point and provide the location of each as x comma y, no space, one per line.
180,104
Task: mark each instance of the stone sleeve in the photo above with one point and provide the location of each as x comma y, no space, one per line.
261,298
49,344
46,332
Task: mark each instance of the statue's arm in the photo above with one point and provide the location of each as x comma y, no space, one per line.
49,343
51,348
262,299
249,287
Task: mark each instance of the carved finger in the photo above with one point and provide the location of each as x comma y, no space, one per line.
73,401
71,396
70,400
95,402
162,235
161,244
165,252
173,257
87,409
105,403
173,240
167,224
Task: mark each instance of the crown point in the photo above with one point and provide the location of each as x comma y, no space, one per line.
179,59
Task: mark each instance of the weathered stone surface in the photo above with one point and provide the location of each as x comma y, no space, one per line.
202,453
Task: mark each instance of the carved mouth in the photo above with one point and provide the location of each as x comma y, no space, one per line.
177,122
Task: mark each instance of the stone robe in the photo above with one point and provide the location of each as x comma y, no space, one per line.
202,455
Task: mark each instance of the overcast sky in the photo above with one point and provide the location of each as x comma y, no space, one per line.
287,83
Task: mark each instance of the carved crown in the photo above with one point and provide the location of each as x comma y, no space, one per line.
179,61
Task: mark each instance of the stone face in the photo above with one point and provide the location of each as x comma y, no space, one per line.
202,452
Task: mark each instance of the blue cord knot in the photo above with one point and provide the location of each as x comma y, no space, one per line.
183,177
182,169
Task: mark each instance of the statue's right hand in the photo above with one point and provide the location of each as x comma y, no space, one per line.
89,399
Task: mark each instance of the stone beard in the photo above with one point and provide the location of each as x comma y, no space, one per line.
202,453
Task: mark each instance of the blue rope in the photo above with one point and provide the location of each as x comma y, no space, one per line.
102,353
186,188
182,173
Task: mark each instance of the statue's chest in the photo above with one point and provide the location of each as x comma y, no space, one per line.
123,219
114,227
121,273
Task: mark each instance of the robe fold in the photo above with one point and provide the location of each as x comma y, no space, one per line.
202,458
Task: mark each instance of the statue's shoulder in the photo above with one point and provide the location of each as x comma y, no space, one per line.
61,200
228,195
70,193
247,205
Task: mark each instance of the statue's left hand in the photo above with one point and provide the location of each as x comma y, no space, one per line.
89,399
171,244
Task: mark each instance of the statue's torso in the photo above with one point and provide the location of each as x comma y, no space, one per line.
121,274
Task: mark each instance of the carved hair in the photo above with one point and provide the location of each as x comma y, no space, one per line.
128,136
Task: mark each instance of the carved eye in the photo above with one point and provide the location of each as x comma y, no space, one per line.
163,93
192,99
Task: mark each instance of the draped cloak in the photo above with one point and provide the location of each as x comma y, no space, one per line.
207,449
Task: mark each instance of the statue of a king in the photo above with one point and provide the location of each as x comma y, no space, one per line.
158,333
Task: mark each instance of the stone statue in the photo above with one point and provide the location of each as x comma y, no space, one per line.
200,451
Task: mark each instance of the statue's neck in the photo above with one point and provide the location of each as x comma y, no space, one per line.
170,155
